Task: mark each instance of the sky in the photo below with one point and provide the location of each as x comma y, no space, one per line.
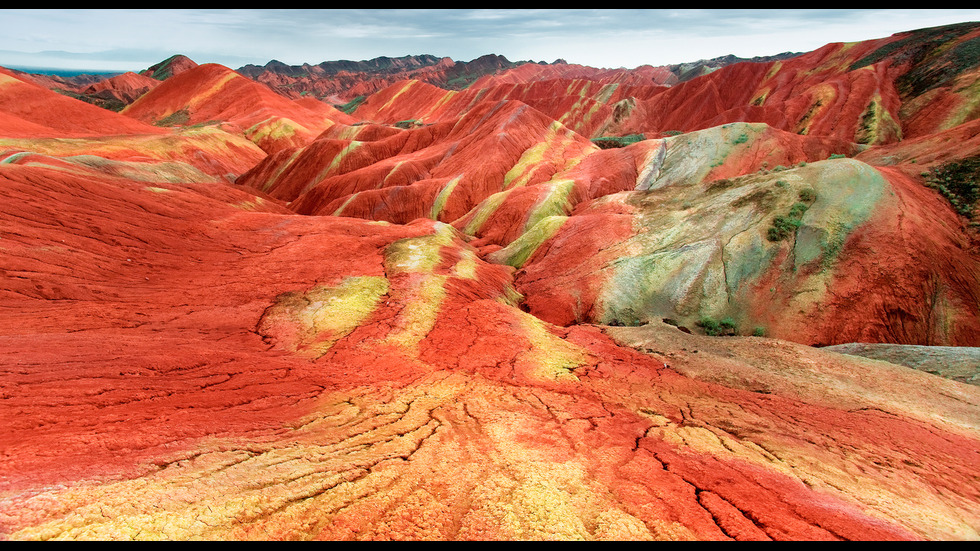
133,39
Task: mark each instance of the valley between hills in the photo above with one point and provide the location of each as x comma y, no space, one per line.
421,299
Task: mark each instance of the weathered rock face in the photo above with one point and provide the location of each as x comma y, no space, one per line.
814,253
408,324
959,363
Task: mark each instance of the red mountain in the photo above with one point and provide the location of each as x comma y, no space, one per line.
122,89
211,94
30,110
173,65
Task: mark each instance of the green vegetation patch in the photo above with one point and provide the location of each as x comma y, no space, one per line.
109,103
611,142
351,105
176,118
785,225
718,328
959,183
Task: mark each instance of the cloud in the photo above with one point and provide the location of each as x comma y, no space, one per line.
599,37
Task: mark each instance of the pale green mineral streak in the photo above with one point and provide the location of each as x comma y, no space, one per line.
311,322
15,157
518,251
334,163
651,166
552,357
557,202
847,193
279,171
443,196
422,299
343,205
483,211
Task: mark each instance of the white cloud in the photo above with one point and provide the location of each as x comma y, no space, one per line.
603,38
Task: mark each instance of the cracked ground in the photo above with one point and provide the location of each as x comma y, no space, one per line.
160,380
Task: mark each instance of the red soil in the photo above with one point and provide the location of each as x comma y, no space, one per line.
144,371
61,116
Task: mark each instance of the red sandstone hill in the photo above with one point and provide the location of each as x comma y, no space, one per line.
211,94
545,180
42,126
116,92
30,110
453,316
342,81
871,92
645,75
173,65
125,87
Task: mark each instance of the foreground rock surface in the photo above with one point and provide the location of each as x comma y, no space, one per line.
178,383
960,363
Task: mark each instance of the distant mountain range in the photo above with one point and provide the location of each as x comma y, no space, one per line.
343,80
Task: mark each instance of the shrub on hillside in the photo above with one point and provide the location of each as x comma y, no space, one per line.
959,183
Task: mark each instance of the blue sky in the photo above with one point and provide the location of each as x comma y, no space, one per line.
133,39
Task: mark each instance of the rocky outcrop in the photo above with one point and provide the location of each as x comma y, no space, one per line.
959,363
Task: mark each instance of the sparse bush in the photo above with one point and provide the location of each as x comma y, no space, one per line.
838,156
609,142
759,332
712,327
728,327
176,118
351,105
959,183
808,195
782,227
797,210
